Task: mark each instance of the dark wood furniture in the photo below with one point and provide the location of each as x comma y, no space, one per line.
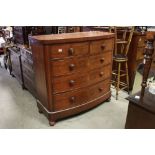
28,71
22,67
141,115
16,68
135,55
141,111
21,33
72,72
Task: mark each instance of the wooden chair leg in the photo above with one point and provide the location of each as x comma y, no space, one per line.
127,76
118,80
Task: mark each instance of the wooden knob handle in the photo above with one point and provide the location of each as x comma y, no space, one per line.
71,82
71,66
100,89
101,74
102,60
103,46
71,51
72,99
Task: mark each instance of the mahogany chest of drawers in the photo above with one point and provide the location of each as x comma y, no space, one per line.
27,70
72,72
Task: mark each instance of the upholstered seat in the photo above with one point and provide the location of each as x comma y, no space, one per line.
120,57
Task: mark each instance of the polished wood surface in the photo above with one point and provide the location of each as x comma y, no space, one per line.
71,37
141,111
72,72
66,50
141,115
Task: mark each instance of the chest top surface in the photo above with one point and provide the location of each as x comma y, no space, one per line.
71,37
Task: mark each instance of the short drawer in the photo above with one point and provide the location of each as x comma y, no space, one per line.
97,61
140,53
70,82
97,47
81,96
67,50
141,41
69,66
100,74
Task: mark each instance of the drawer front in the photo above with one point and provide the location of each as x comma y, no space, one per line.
140,53
81,96
141,41
98,61
99,89
69,66
67,50
27,62
101,46
70,82
100,74
70,99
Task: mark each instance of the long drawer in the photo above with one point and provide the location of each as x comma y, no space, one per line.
75,81
67,50
74,98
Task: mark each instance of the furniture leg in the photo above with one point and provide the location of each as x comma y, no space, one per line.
118,80
127,76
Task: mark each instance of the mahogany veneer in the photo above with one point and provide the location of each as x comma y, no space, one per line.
72,72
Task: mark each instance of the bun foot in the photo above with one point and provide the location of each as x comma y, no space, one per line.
40,111
108,100
51,123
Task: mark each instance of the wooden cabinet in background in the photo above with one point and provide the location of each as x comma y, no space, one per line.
135,55
72,72
16,68
28,71
22,67
20,34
